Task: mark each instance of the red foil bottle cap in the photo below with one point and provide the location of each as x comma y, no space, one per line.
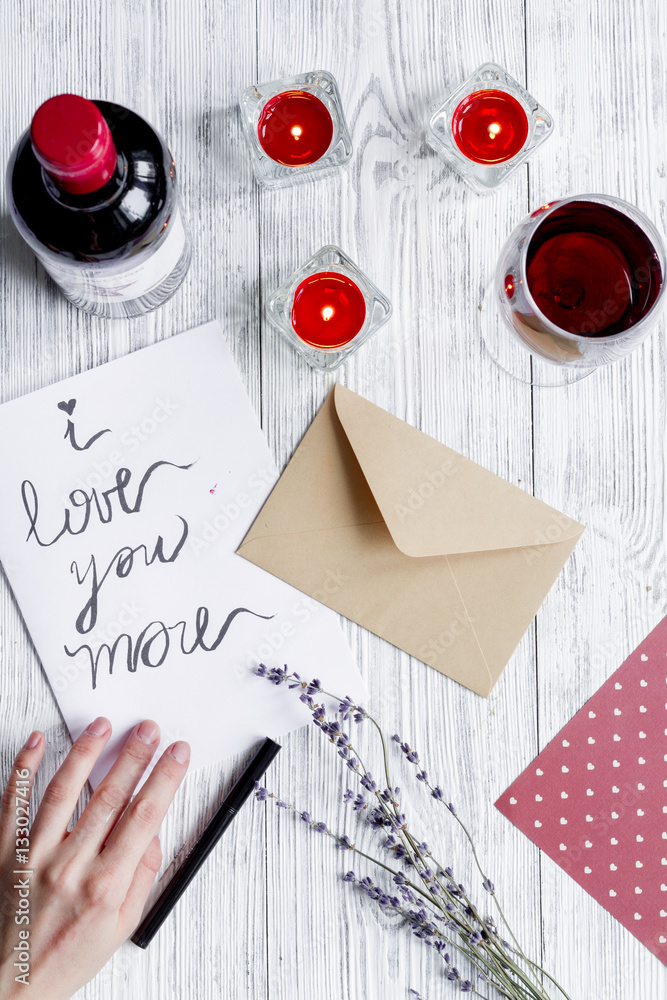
72,141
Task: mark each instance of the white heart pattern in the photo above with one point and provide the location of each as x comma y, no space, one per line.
615,710
512,801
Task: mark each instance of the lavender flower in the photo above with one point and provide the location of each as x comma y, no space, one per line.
434,905
261,794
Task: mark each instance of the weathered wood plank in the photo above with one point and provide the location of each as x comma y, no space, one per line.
599,445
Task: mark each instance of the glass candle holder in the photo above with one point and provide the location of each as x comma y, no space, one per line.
488,127
295,127
328,309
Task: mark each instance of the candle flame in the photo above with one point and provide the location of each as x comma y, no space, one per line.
494,129
296,131
327,313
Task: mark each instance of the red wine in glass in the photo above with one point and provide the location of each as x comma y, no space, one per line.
591,270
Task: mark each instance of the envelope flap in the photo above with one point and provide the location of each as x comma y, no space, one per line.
433,500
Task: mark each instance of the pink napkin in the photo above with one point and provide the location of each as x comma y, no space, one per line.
595,799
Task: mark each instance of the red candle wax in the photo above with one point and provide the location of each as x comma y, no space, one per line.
295,128
490,126
328,310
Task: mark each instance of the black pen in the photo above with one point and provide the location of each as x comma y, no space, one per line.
173,891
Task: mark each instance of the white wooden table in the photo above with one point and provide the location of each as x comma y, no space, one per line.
270,917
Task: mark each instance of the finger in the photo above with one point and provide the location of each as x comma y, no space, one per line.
63,791
142,883
141,821
112,795
14,821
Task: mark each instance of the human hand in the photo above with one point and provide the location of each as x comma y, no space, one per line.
87,888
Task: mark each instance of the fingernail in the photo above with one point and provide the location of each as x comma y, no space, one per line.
148,731
32,740
180,751
100,727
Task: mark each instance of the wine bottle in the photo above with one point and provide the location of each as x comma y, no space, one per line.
92,189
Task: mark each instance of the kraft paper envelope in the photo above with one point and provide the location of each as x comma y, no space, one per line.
411,540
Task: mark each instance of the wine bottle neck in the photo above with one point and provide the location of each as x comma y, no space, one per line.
89,201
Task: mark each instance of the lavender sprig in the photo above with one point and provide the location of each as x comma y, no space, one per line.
460,924
421,921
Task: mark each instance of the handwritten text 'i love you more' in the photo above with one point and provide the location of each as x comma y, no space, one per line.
152,645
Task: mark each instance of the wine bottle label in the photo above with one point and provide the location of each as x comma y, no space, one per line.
124,280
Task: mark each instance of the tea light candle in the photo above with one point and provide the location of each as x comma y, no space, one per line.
328,310
295,128
490,126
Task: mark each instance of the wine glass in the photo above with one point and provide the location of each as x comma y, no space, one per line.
579,284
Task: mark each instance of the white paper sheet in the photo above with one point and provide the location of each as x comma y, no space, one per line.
144,475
